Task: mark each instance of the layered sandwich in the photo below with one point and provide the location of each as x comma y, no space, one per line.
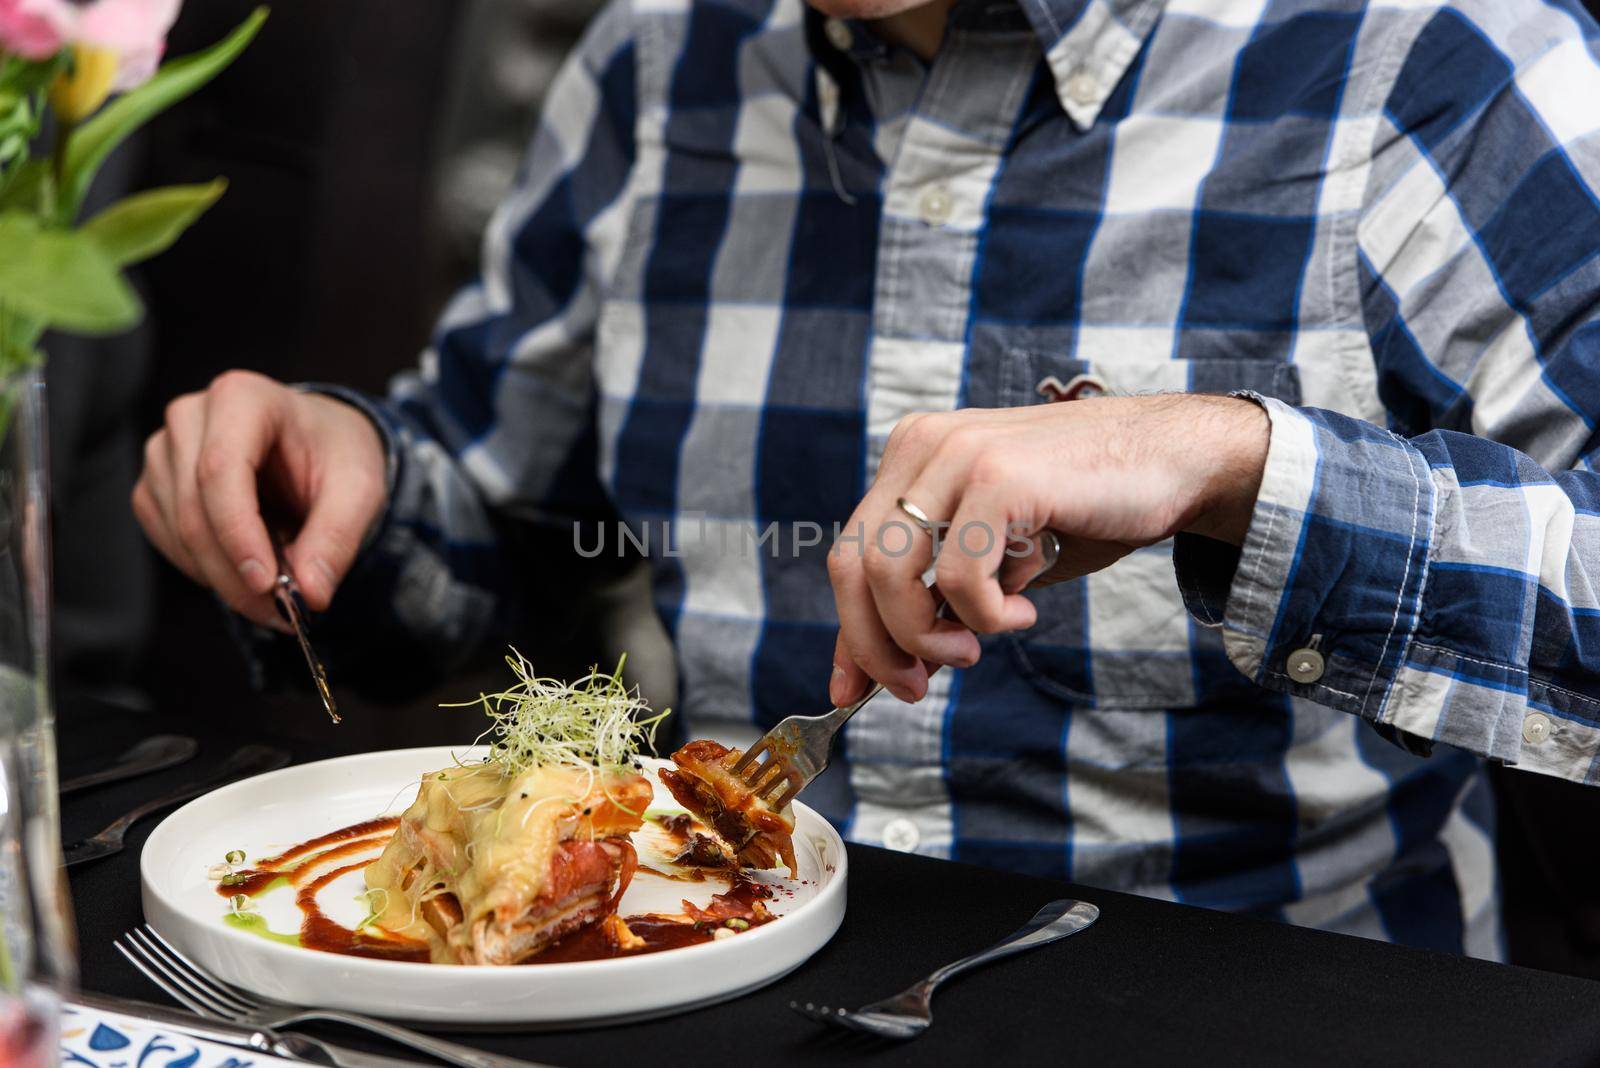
491,865
703,782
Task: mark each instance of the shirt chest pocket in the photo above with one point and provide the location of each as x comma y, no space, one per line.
1121,638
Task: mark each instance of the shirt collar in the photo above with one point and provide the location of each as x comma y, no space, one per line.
1088,44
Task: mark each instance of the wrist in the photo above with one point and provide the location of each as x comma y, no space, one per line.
1235,433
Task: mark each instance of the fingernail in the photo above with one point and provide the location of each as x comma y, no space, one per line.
836,686
254,573
902,693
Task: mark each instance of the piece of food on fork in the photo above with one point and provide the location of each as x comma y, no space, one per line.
491,867
704,783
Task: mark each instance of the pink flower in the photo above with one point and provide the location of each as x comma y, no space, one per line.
136,30
28,33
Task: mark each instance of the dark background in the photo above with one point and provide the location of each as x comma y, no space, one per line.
365,142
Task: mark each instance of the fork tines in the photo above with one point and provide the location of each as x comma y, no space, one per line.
747,767
816,1012
759,774
840,1018
180,977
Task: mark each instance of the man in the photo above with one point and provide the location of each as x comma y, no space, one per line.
762,253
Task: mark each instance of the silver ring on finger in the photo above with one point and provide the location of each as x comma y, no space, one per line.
917,515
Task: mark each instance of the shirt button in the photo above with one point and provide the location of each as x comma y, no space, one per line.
901,834
838,34
936,206
1083,88
1306,665
1535,728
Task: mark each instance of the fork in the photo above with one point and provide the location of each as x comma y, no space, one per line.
796,751
246,760
193,987
910,1012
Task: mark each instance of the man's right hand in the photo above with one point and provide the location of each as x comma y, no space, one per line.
320,460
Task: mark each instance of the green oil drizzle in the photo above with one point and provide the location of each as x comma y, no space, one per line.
655,815
256,924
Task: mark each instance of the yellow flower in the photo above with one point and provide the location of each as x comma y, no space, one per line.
79,91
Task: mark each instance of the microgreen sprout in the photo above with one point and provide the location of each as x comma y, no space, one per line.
377,899
235,857
239,903
594,722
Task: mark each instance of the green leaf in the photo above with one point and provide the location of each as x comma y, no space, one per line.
24,182
22,87
145,224
93,141
28,76
62,278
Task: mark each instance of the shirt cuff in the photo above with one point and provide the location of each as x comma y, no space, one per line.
1324,599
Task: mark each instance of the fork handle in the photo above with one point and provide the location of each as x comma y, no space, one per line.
836,718
1050,551
1052,923
451,1052
827,725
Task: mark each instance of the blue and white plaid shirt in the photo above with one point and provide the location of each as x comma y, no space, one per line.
748,240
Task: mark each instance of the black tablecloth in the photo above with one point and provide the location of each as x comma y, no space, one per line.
1150,983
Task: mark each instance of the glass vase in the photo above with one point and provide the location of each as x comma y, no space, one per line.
36,955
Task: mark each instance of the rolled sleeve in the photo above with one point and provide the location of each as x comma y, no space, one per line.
1333,561
1428,604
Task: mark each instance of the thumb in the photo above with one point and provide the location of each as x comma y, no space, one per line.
848,682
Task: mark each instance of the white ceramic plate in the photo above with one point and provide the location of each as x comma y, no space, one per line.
271,812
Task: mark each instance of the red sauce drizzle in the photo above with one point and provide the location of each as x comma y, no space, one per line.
252,881
661,933
317,931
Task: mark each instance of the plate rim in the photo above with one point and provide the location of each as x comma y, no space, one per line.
835,887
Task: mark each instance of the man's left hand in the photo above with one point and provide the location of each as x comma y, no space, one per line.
1107,475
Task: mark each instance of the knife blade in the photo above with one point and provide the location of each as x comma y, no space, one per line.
156,753
292,607
281,1044
228,1034
247,760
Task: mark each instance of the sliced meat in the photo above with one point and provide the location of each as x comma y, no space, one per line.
704,851
586,881
704,784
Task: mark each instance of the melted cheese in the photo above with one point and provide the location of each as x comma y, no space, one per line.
488,838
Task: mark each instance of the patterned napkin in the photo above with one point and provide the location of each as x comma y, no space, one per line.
102,1039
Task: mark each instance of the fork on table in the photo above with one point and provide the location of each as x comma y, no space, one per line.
910,1012
790,756
195,989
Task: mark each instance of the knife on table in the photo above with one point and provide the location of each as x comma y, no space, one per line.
156,753
279,1043
246,761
